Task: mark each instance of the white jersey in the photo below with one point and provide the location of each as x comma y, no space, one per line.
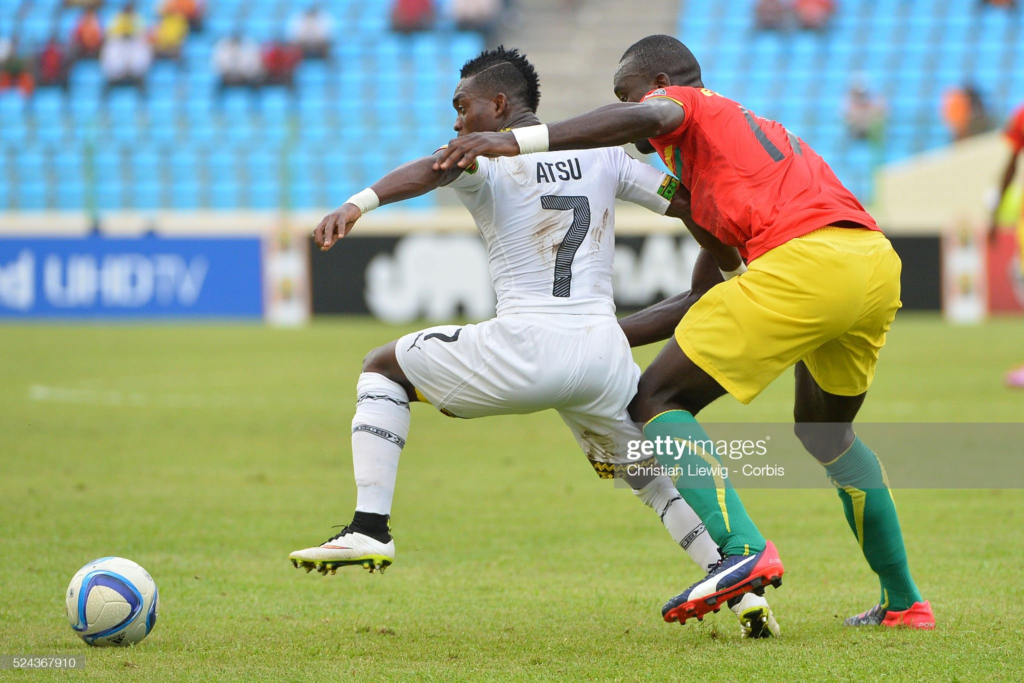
548,223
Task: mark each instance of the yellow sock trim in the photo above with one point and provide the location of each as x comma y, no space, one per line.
719,481
885,480
832,462
859,500
664,412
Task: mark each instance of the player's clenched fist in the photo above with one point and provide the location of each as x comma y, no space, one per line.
336,225
463,150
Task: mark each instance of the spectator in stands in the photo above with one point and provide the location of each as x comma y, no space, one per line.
237,62
981,120
15,70
87,36
170,34
965,114
772,15
864,113
477,15
193,10
53,64
409,16
1008,4
279,63
125,60
814,15
84,4
127,23
312,31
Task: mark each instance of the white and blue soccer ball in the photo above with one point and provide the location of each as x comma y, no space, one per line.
112,601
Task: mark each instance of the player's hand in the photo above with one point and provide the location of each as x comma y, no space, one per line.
463,151
336,225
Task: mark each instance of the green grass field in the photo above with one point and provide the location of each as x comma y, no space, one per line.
208,453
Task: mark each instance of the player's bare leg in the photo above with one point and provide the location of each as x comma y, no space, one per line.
824,426
379,430
671,391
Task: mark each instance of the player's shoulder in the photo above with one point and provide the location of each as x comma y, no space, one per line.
678,93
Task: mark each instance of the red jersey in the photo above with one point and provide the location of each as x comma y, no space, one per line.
753,184
1015,130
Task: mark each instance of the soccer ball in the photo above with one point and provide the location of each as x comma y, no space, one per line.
112,601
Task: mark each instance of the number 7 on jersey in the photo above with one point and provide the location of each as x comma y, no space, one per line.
580,207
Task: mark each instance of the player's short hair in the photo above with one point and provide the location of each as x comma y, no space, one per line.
506,71
663,54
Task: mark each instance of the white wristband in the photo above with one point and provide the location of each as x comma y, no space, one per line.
532,139
728,275
366,201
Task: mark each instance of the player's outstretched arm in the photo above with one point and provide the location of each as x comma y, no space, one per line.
608,126
405,182
657,323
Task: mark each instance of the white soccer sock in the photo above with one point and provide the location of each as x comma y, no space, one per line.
379,430
681,521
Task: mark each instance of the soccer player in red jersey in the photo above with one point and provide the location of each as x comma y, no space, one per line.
1014,133
819,290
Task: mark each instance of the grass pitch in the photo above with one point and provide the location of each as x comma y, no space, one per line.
208,453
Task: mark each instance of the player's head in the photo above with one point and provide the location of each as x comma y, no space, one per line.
496,86
655,62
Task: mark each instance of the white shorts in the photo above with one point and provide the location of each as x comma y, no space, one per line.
579,365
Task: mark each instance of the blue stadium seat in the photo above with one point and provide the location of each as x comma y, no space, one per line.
109,195
185,196
148,196
84,110
224,193
184,167
68,166
13,131
30,166
71,195
30,196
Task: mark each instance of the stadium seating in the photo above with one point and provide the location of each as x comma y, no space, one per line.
380,100
385,98
909,51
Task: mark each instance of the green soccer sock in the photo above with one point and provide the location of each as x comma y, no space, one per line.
681,443
867,501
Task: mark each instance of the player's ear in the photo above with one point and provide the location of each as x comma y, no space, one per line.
500,105
662,81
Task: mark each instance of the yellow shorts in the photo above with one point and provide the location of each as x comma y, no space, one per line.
826,298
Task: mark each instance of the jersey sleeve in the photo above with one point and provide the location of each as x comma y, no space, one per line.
473,177
681,96
1014,131
641,183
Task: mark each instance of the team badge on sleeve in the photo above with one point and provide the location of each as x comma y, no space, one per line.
668,187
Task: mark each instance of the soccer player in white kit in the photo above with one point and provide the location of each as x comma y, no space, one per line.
547,221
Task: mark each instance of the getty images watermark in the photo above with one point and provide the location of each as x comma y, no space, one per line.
932,455
665,449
